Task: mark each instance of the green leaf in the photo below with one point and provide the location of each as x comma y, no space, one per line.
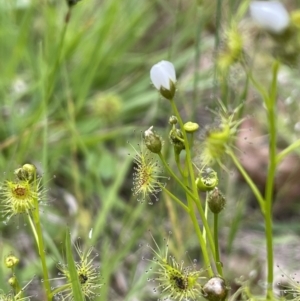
76,288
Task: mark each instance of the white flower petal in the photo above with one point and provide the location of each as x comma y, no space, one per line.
155,76
91,233
149,131
161,74
169,68
271,15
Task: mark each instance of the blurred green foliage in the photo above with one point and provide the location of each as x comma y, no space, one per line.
72,95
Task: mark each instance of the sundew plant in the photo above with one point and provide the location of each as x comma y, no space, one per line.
203,95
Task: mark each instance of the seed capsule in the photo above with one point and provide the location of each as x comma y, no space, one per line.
215,289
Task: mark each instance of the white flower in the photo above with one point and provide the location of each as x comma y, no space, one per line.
271,15
163,77
149,132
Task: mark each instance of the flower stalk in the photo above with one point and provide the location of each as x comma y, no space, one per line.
270,103
38,235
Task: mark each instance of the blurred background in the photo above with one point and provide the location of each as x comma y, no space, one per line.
73,94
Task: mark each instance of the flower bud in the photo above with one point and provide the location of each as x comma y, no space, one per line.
12,281
163,77
11,261
173,120
216,201
152,141
177,139
191,127
270,15
215,289
207,180
26,173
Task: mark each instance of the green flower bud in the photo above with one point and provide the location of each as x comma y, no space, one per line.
153,142
12,281
173,120
216,201
26,173
177,139
11,261
207,180
215,289
191,127
168,93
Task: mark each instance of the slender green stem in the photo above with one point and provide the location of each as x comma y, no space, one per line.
216,239
195,198
200,238
256,84
249,181
205,214
195,195
206,226
170,171
37,231
59,289
271,106
177,160
192,214
287,150
33,230
186,209
187,147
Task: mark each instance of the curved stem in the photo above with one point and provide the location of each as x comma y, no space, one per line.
249,181
186,209
167,167
287,150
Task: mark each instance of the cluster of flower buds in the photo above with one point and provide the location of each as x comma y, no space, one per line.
26,173
177,139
